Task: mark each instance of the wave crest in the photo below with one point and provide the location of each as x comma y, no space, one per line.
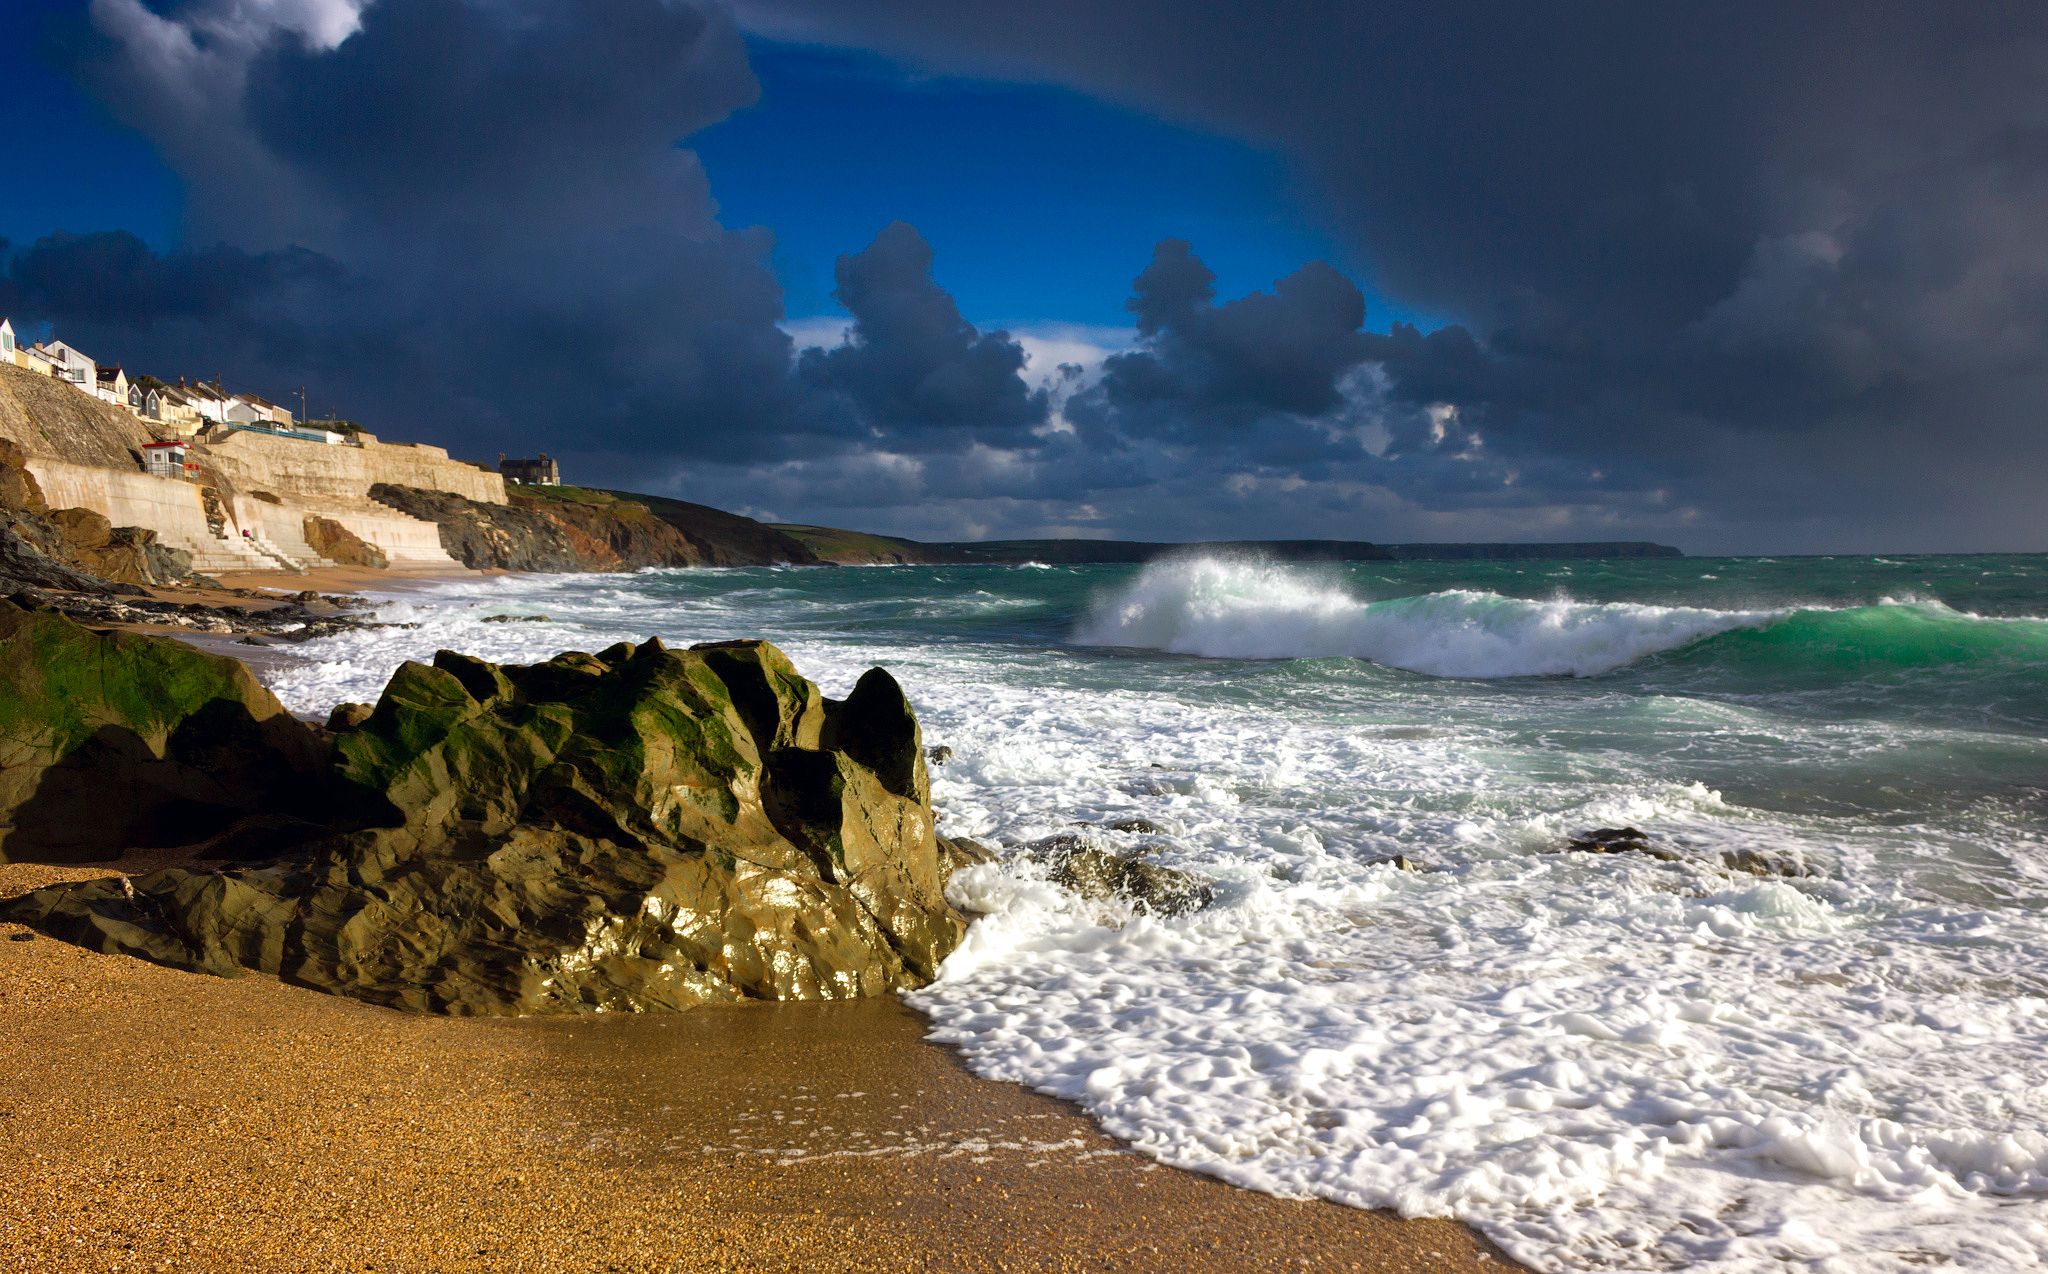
1256,610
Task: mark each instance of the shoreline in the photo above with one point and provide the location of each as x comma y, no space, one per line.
588,1141
279,1126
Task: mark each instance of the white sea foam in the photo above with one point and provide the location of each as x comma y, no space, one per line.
1257,610
1604,1062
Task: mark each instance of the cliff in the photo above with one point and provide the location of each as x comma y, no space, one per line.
52,420
727,539
574,529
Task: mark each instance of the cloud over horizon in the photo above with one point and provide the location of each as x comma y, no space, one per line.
1740,277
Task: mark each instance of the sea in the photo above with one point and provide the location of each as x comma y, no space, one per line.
1409,994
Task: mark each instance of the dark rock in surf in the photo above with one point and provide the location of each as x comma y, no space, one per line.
956,852
1136,826
1756,862
1622,840
939,754
1080,868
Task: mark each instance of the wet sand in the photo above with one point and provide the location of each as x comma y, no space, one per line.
347,579
163,1120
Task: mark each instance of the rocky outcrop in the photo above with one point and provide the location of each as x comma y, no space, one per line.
718,538
638,829
72,549
498,536
627,529
335,542
114,741
121,554
577,529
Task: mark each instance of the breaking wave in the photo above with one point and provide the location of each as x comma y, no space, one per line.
1254,610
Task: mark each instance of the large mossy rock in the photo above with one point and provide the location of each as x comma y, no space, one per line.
639,829
117,741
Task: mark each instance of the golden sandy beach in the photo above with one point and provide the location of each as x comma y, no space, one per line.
159,1120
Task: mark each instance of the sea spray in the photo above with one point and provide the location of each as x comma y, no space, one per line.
1242,609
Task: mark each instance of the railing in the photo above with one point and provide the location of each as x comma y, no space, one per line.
286,431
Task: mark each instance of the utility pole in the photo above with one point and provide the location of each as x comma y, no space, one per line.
302,403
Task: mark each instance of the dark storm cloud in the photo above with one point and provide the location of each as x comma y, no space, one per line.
115,278
1239,372
531,258
1786,261
910,362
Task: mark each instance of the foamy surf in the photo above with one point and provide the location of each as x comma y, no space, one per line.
1605,1063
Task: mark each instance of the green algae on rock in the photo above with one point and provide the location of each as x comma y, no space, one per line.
116,741
638,829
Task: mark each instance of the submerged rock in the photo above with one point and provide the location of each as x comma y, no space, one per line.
1096,874
1633,840
939,754
117,741
1622,840
1758,862
1136,826
638,829
957,852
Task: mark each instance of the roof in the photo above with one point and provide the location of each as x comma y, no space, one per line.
154,446
108,373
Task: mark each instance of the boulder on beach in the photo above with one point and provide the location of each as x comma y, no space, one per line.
642,828
117,741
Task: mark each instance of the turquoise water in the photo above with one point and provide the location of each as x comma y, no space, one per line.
1606,1062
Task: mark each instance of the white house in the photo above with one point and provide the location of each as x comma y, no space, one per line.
253,409
111,384
177,408
71,364
208,402
6,341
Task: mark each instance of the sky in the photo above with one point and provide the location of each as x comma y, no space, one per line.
1735,276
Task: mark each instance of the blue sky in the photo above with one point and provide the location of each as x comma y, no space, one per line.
90,172
1041,205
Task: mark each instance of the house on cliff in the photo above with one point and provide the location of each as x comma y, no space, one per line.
111,384
30,359
70,364
253,409
6,340
542,471
207,401
145,399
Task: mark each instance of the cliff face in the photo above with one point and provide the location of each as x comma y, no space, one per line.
718,538
52,420
574,529
627,529
501,537
73,549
